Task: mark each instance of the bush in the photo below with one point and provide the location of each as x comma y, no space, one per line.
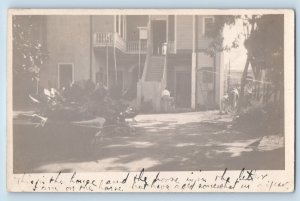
260,119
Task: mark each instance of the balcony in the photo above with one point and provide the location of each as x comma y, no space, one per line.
132,47
109,40
114,40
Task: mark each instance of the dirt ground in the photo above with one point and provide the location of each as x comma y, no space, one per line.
159,142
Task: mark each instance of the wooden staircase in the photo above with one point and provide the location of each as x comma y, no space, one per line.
153,80
155,69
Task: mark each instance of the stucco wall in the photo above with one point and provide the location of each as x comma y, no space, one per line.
103,23
68,41
133,22
184,32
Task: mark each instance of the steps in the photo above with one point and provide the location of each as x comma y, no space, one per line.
155,69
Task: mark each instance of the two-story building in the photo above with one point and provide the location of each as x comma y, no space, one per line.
144,54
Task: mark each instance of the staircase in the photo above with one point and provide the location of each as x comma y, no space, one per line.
153,81
155,68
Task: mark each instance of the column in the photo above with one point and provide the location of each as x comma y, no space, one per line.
193,70
119,16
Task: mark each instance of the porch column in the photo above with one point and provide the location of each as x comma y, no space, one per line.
119,25
92,56
193,70
125,27
139,94
193,81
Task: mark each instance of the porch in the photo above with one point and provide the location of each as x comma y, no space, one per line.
109,39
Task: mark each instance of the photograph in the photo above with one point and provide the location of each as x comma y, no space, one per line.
154,91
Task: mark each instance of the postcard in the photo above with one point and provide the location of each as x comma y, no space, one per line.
150,100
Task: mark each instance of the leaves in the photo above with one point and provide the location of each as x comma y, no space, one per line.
28,51
266,44
217,37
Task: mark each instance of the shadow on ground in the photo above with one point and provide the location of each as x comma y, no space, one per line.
177,142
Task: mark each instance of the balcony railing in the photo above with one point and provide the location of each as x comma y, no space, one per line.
119,42
133,47
108,39
103,39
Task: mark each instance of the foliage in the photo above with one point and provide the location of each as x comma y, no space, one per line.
264,42
215,34
28,51
265,55
260,120
265,45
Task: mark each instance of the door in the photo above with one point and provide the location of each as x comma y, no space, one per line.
183,89
159,33
65,75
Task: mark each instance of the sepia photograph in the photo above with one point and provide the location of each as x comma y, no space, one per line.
150,91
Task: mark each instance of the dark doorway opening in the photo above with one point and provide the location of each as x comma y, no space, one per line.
183,89
65,75
159,33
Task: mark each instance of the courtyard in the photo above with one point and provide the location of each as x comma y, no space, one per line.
160,142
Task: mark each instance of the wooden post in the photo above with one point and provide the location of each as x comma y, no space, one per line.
243,82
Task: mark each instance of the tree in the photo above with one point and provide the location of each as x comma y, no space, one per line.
265,53
29,53
215,34
263,39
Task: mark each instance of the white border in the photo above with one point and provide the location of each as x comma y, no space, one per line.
285,176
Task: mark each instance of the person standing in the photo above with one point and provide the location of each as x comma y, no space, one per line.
165,97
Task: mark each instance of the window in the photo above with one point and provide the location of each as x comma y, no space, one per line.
207,75
207,25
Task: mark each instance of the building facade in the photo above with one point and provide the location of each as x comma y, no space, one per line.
141,54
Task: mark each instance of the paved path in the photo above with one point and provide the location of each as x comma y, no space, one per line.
161,142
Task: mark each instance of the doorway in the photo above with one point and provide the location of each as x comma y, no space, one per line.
183,89
65,75
159,33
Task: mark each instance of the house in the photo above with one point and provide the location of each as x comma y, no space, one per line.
143,54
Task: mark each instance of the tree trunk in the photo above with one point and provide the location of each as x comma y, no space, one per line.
245,72
243,83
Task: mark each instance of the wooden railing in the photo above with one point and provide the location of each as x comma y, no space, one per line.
109,39
103,39
133,47
119,42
